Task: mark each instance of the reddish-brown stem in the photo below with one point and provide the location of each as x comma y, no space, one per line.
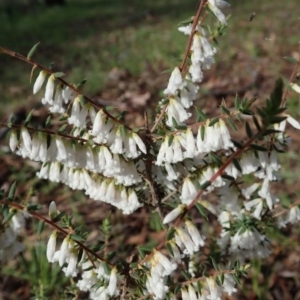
290,80
190,41
48,132
54,225
159,118
184,60
64,82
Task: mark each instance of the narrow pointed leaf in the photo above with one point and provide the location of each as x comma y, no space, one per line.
32,50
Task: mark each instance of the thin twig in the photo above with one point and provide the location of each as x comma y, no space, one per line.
64,82
290,81
186,54
190,41
54,225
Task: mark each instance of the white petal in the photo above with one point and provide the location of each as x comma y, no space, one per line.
293,122
39,82
13,140
139,142
295,87
51,246
172,215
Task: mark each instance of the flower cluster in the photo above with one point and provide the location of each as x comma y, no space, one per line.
91,276
172,165
10,246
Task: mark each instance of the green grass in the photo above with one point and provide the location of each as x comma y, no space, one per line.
88,38
43,277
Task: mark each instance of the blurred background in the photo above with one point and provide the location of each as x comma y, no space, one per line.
123,48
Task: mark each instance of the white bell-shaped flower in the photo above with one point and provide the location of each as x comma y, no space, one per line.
50,86
215,6
39,81
51,246
176,83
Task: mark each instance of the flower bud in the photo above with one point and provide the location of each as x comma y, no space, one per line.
51,246
52,210
13,140
39,81
172,215
64,251
295,87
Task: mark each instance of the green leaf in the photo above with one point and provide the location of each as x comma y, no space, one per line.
51,65
170,140
133,265
181,127
32,50
186,275
277,93
59,74
225,110
146,248
257,125
236,279
12,191
218,281
270,131
141,252
169,248
135,275
58,217
63,117
164,101
248,130
106,268
174,122
237,164
262,112
81,100
177,288
111,255
237,144
186,22
236,102
202,132
200,115
201,210
213,121
222,278
28,118
77,238
247,112
216,267
8,216
33,207
232,124
205,185
290,59
81,83
215,159
123,131
62,128
80,253
258,148
170,233
228,177
41,227
48,121
276,119
250,102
